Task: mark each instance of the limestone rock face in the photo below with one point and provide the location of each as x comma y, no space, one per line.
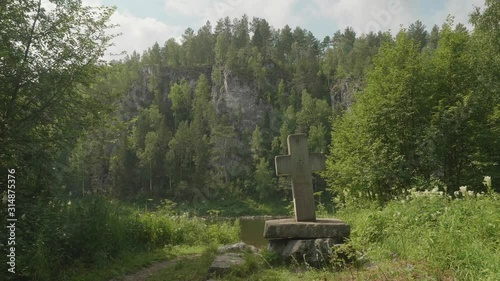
342,93
139,95
314,252
334,229
239,97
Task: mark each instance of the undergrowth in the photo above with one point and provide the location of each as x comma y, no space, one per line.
424,236
429,229
91,231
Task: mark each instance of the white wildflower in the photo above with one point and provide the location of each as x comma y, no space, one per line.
487,180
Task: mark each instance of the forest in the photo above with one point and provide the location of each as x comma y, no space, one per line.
193,126
206,116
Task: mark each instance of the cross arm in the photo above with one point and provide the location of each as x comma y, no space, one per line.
317,162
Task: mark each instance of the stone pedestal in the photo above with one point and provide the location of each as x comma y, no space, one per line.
321,228
309,242
303,238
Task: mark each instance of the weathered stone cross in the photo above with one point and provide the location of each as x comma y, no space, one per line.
300,164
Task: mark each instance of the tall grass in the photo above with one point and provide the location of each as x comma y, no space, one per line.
459,237
92,230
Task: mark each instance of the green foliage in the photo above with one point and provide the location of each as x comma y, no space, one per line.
270,257
180,96
46,71
429,227
264,179
257,145
314,112
317,138
424,116
429,115
381,131
92,230
203,110
50,59
189,268
51,72
424,236
181,143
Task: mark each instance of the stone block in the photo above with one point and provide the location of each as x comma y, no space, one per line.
240,247
321,228
315,252
223,263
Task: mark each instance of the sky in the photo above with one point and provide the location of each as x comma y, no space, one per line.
144,22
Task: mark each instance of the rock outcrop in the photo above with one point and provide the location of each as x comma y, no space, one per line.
343,91
140,95
239,98
229,257
314,252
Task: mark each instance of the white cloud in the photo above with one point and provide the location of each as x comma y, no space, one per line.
460,9
277,12
139,33
364,16
93,3
196,8
48,5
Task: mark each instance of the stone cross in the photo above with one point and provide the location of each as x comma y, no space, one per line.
300,164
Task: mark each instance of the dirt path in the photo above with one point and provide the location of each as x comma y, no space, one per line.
147,272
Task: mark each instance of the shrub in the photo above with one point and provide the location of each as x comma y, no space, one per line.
459,235
91,230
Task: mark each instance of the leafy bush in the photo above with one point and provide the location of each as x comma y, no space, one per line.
92,230
458,235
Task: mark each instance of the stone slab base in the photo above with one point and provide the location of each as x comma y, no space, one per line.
314,252
334,229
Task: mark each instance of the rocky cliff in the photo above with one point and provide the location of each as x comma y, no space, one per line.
239,98
343,91
140,95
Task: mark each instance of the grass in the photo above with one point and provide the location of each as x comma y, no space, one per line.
256,268
94,233
127,264
428,230
188,269
235,207
426,236
230,205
